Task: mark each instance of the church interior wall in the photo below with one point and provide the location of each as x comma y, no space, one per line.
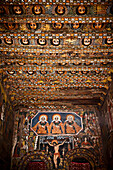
31,134
56,84
6,130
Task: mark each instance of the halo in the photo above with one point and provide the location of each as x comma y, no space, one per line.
54,141
71,116
43,115
58,115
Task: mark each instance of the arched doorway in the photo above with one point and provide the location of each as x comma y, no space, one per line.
81,159
35,160
80,163
36,164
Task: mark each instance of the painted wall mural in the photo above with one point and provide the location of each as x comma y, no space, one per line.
56,134
52,123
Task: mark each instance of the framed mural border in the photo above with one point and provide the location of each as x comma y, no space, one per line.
58,112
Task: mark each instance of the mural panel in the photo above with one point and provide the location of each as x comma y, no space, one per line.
51,123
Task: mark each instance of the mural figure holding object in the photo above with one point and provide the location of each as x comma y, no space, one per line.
55,144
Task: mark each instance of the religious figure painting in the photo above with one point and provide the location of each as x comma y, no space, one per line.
54,123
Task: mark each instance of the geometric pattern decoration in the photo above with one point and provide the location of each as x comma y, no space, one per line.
54,56
54,51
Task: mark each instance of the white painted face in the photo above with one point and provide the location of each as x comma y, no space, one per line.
56,118
55,41
33,25
42,41
37,10
60,10
85,140
109,41
8,41
81,9
58,25
87,41
17,10
76,25
70,118
25,41
43,119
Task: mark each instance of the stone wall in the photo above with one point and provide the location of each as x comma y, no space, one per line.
106,122
6,130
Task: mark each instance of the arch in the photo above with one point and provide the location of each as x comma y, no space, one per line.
34,155
81,153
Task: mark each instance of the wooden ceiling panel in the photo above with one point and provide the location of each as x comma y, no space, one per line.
54,58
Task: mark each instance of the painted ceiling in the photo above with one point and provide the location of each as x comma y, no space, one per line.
56,53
